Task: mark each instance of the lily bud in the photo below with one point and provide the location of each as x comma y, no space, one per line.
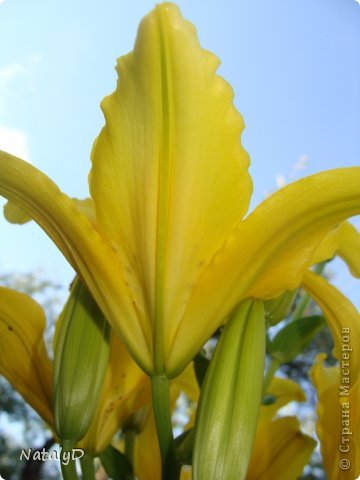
278,308
230,397
81,357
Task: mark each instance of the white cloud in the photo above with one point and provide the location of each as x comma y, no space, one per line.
280,180
15,142
2,1
9,72
302,162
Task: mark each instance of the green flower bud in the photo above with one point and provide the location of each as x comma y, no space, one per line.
81,358
230,397
278,308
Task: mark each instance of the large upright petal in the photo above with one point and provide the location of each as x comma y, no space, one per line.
23,357
267,253
169,176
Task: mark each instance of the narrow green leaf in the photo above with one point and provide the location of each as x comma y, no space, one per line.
184,447
116,464
295,337
201,364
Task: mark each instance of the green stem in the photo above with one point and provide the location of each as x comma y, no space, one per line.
305,299
130,436
161,404
87,467
68,466
272,369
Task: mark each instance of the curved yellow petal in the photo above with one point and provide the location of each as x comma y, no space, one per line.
342,317
23,357
338,413
281,451
169,177
14,214
267,253
83,246
125,390
328,246
349,247
343,241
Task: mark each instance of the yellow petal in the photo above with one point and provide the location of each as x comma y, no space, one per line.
285,391
349,247
327,246
342,317
125,390
147,459
186,382
338,414
169,176
268,252
23,357
81,243
281,451
14,214
343,241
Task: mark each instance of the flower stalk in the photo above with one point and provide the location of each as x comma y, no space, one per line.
162,413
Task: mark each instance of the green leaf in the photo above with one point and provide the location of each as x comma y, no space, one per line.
184,447
295,337
116,464
201,364
269,399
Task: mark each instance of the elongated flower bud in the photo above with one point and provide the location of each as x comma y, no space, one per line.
81,357
230,397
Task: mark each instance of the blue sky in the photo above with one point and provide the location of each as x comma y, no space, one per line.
294,67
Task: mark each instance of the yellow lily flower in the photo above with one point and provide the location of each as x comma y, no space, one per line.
338,420
25,363
164,250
